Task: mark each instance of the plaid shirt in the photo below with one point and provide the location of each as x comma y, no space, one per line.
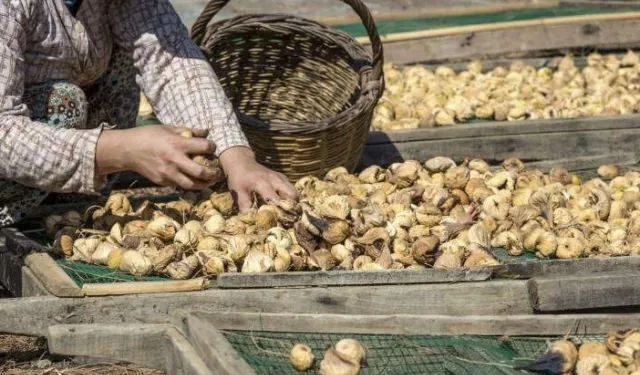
41,41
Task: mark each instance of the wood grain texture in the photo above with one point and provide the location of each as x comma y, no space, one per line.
422,324
584,291
31,286
34,315
582,163
481,44
343,278
52,276
214,349
507,128
11,273
528,147
141,344
144,287
181,357
563,267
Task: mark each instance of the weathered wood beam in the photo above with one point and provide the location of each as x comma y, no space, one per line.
344,278
584,292
214,349
422,324
181,357
34,315
141,344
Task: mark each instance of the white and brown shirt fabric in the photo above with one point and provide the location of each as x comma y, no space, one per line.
41,41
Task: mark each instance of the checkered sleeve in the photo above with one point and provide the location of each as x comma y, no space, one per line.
33,153
180,84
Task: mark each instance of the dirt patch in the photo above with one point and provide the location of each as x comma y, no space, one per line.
23,355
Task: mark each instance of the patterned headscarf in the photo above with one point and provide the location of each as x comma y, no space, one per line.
73,6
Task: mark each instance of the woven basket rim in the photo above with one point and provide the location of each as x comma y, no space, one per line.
370,90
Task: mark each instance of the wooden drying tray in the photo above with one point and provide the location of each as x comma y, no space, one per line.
543,283
611,30
192,341
575,144
26,270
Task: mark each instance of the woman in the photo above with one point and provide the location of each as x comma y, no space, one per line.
70,75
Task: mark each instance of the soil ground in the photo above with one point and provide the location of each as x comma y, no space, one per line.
23,355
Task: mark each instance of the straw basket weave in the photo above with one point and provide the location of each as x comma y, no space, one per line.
304,92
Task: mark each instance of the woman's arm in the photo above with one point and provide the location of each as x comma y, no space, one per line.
33,153
172,72
183,89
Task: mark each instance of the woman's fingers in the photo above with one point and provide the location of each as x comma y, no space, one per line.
284,187
188,183
195,170
198,146
267,191
243,199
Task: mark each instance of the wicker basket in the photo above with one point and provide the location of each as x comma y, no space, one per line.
304,92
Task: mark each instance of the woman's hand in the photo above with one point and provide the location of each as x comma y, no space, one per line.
246,176
159,153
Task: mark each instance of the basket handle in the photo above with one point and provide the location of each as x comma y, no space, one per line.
213,7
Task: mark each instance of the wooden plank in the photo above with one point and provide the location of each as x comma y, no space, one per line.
562,267
31,286
527,147
411,12
586,162
144,287
10,273
481,44
500,297
343,278
214,349
584,291
508,25
181,357
422,324
142,344
52,276
506,128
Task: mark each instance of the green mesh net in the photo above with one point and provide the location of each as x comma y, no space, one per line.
83,273
399,26
267,352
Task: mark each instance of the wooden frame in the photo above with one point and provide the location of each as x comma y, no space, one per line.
573,141
194,344
608,31
41,275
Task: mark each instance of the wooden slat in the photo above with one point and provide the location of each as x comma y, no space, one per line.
524,146
144,287
10,273
583,163
52,276
584,291
563,267
31,286
501,297
468,44
141,344
343,278
422,324
415,12
216,352
508,128
508,25
181,357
